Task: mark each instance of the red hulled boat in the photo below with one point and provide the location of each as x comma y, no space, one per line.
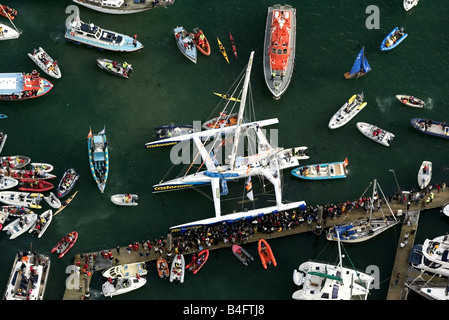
35,185
65,244
279,48
21,86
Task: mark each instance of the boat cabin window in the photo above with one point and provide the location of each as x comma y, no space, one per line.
285,51
279,51
274,50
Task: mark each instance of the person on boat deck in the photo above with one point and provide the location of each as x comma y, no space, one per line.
109,66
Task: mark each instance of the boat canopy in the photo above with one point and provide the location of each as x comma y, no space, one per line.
99,156
11,83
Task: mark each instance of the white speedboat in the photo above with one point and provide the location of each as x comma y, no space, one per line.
22,199
28,278
123,6
411,101
348,111
408,4
46,63
375,133
41,167
122,285
8,33
185,43
7,182
53,201
418,260
322,281
126,270
424,174
177,269
20,225
42,223
125,199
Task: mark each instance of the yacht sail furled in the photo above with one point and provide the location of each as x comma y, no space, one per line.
360,66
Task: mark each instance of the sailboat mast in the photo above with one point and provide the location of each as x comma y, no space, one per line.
240,115
372,200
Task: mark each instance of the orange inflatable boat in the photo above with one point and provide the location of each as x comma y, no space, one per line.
266,254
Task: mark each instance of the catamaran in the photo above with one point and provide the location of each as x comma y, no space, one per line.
363,229
267,162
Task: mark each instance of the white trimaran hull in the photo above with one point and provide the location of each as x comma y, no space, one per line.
268,162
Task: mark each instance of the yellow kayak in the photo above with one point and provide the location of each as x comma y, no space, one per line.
225,97
222,50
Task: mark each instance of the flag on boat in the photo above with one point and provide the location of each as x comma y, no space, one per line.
102,131
89,135
345,163
249,189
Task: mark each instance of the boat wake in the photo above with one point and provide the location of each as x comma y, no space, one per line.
429,103
384,103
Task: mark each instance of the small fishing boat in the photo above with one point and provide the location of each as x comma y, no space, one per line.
201,42
67,182
66,243
28,278
35,185
114,67
7,182
22,199
266,254
125,199
223,120
198,260
8,33
98,152
185,43
8,12
177,269
409,4
222,50
65,203
40,166
162,268
123,6
23,86
393,39
424,174
122,285
348,111
445,209
14,162
126,270
226,96
375,133
42,223
93,36
322,171
360,66
3,137
431,127
20,225
234,49
53,200
45,62
173,130
242,254
411,101
279,48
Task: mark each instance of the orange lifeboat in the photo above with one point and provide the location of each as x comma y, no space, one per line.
266,254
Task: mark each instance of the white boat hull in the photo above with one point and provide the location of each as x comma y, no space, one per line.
17,228
124,285
425,174
375,133
348,111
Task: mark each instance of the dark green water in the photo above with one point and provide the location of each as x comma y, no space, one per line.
165,87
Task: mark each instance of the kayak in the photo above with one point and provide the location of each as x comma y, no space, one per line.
233,45
225,96
222,50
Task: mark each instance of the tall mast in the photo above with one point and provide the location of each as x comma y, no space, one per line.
240,115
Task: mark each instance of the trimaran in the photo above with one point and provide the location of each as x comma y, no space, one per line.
268,162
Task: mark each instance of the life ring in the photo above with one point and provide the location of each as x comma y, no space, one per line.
72,33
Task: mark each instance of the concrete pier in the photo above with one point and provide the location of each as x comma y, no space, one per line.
95,262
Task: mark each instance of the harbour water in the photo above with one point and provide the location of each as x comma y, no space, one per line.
165,87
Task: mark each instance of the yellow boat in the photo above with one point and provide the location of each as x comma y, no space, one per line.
224,96
222,50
